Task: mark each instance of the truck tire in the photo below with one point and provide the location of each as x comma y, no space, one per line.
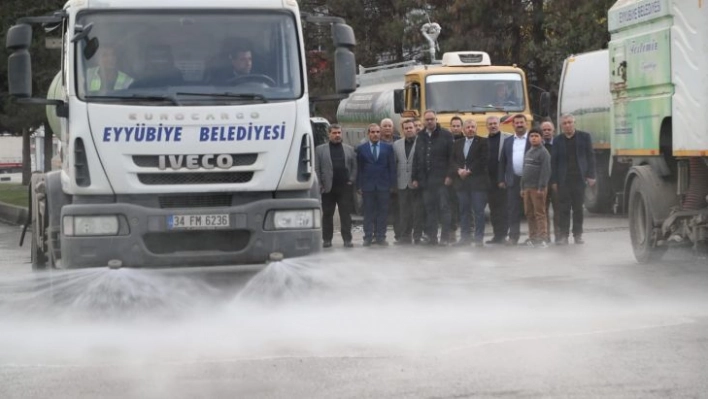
641,225
598,199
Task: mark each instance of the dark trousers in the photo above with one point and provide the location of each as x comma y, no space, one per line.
472,202
375,214
515,206
571,195
411,215
552,201
498,212
437,212
454,209
342,197
393,215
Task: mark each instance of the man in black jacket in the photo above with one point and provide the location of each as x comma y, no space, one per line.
430,173
573,167
468,167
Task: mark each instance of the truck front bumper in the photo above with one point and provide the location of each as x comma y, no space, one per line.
146,240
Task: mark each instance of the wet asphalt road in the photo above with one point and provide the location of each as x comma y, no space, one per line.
583,321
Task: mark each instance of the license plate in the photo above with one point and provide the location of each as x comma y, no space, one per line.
198,222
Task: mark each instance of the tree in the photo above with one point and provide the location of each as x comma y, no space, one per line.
21,119
536,35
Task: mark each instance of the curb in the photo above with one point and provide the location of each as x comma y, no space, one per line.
12,214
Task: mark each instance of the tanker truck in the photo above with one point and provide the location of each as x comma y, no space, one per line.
172,153
462,83
659,95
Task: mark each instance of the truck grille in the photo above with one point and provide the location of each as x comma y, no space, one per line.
157,179
152,161
195,201
183,241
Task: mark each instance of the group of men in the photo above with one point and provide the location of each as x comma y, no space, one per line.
446,178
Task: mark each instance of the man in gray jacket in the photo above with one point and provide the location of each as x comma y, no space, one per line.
335,165
410,204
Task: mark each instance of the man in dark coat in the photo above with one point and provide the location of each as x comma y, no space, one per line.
511,165
572,168
468,167
430,173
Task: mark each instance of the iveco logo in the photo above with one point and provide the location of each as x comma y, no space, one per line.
223,116
210,161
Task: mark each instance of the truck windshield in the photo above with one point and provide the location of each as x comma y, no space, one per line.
191,58
478,92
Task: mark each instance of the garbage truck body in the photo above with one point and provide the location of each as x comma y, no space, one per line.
657,73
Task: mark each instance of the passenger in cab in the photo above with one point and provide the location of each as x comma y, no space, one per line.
106,76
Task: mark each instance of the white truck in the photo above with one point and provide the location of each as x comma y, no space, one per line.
164,165
657,67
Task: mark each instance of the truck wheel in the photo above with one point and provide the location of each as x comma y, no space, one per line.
598,199
641,226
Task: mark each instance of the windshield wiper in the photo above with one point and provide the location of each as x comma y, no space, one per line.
451,111
497,108
229,95
137,97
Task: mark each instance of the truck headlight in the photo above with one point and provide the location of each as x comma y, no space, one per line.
106,225
293,220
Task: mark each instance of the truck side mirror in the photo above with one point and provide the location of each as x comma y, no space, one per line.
343,35
19,37
399,103
19,74
19,62
344,70
545,103
344,60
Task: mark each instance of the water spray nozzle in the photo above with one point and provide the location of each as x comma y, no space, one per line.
115,264
276,257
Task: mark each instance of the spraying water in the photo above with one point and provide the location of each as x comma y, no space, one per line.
150,327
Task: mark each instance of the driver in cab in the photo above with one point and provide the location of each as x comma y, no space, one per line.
503,97
239,67
241,60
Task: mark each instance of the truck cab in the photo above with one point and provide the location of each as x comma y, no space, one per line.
468,85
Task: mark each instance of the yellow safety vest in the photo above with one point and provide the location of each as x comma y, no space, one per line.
94,80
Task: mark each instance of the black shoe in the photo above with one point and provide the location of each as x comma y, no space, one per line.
382,243
496,240
512,242
367,243
348,244
416,241
432,243
562,241
578,240
403,242
326,244
443,243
